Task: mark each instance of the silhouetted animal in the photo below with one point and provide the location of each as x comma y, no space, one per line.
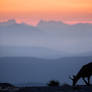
85,72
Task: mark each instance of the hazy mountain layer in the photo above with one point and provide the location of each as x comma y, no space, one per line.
55,37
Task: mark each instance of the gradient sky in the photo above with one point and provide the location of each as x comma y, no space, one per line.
31,11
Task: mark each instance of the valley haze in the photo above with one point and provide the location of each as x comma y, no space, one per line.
47,40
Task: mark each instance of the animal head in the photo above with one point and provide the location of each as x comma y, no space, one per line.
74,80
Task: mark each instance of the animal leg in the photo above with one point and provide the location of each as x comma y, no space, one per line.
85,81
89,80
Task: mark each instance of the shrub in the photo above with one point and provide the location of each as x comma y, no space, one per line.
53,83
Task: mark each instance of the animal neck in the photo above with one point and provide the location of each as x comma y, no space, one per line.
77,78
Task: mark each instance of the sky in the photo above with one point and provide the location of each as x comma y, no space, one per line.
71,41
32,11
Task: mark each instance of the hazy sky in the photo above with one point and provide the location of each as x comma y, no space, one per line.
31,11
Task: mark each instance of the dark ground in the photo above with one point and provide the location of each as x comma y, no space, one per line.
63,88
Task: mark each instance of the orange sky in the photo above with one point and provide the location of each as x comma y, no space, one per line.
31,11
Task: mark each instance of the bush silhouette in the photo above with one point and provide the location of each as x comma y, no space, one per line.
53,83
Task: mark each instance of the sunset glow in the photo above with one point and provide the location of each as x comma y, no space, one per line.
32,11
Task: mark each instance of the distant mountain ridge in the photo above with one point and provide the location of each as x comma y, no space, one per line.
38,52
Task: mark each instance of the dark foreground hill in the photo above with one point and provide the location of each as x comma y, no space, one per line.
64,88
